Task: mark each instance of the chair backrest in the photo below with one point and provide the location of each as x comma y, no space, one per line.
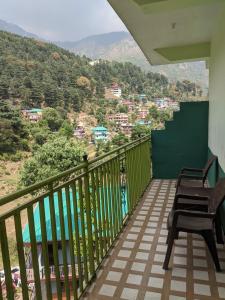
208,166
218,196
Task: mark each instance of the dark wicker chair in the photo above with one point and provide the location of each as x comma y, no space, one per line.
199,222
195,177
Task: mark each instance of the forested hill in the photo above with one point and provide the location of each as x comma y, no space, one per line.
35,73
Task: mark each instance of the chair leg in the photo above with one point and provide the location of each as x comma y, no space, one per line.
170,239
219,230
210,241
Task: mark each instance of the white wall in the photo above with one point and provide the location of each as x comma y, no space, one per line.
217,93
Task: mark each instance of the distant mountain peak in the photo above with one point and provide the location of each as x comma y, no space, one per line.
10,27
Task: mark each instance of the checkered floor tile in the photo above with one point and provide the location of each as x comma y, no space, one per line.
133,270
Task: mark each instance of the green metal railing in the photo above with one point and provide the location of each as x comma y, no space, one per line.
65,225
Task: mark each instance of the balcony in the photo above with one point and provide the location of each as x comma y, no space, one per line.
133,268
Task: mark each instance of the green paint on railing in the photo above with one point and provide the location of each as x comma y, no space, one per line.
79,213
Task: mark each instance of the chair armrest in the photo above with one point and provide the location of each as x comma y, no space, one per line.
191,213
186,176
191,197
191,170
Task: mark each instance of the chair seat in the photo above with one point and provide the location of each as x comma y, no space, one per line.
194,191
190,183
187,223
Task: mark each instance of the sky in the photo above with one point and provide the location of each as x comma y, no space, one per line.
61,20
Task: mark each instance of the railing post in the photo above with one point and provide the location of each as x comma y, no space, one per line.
88,212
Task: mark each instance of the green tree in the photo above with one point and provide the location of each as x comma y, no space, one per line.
53,118
13,134
139,131
120,139
66,129
57,155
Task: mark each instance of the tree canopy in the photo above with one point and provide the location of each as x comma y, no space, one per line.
55,156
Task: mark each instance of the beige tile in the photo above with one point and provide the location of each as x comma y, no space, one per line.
152,224
202,289
119,264
179,260
145,246
198,243
172,297
221,291
132,236
201,275
155,282
179,286
135,229
199,252
159,258
157,269
162,239
142,255
124,253
220,277
107,290
150,230
134,279
198,262
180,250
140,217
114,276
130,294
179,272
161,248
147,238
138,223
152,296
139,267
127,244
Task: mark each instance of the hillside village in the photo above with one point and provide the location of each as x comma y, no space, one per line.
127,113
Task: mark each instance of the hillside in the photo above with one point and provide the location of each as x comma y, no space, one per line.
34,73
120,46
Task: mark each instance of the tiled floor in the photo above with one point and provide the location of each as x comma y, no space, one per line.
134,271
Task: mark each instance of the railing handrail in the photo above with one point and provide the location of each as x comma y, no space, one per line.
18,194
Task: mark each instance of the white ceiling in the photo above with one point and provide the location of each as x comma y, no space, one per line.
156,26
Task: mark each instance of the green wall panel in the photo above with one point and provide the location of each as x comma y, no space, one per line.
184,142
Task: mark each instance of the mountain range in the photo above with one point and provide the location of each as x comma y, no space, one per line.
121,47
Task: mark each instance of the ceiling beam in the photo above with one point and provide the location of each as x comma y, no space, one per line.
156,6
186,52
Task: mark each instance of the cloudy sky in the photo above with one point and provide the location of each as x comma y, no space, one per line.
61,19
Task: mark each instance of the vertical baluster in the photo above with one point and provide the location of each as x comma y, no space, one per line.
103,212
96,231
71,242
55,243
108,201
45,250
34,254
88,218
63,241
119,205
100,223
113,194
77,235
83,231
6,261
105,199
20,250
